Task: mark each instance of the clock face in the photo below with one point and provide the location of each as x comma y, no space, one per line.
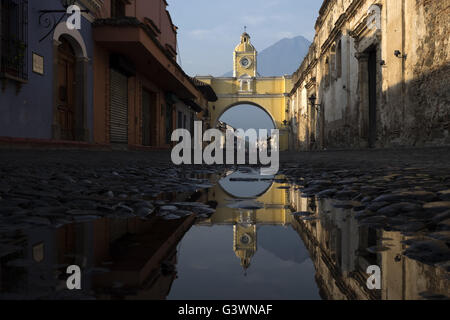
245,62
245,239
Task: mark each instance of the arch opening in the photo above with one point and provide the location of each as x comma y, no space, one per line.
246,183
246,115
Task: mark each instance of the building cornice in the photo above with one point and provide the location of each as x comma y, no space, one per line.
349,13
253,96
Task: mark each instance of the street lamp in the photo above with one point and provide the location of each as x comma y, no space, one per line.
49,18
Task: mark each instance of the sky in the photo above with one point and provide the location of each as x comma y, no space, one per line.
247,117
209,30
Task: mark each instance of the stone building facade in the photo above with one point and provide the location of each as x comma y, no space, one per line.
376,75
46,71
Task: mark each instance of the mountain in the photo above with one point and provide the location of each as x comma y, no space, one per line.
284,57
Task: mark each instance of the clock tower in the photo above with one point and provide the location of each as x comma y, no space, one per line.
245,63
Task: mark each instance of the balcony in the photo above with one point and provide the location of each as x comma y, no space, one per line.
134,39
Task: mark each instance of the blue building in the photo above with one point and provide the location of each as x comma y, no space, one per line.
46,89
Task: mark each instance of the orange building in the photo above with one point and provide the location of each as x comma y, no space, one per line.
138,86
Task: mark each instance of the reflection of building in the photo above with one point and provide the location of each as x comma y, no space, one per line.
338,247
129,259
247,87
245,222
245,243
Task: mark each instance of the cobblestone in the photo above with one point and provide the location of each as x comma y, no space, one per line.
402,190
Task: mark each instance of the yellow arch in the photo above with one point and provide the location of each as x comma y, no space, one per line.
268,93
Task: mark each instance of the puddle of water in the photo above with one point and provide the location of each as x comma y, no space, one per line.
252,247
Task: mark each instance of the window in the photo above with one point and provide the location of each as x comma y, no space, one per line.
14,36
339,60
185,122
326,72
333,73
117,9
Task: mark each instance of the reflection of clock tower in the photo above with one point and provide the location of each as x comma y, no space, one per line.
245,239
245,63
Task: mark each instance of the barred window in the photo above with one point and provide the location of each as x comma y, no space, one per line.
14,38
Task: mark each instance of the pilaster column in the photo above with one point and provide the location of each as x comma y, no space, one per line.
81,99
56,128
363,86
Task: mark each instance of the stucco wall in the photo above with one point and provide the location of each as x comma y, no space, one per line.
413,99
28,113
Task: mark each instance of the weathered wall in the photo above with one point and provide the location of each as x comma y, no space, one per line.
412,89
27,109
428,73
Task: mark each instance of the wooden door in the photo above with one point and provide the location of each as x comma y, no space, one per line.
65,90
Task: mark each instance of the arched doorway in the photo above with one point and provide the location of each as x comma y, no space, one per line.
66,90
70,77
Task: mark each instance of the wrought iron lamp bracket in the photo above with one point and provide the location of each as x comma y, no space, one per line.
49,20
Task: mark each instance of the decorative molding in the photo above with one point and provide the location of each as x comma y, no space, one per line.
238,96
61,29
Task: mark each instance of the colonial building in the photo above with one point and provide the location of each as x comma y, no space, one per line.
141,93
376,75
248,87
46,71
112,81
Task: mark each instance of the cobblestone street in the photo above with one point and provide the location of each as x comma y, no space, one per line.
220,151
404,191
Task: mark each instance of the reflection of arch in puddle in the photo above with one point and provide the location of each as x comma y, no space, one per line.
246,183
272,198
